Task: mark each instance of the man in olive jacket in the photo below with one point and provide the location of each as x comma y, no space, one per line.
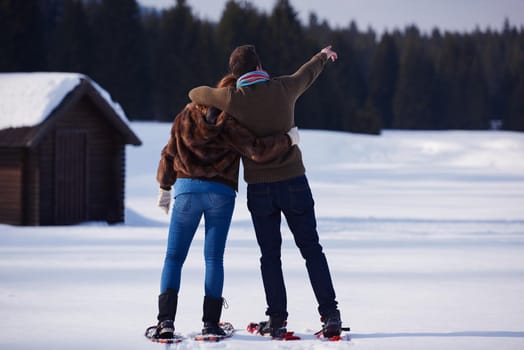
266,106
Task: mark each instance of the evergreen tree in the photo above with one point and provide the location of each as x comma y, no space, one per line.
6,37
413,103
318,32
461,85
285,46
342,93
71,45
210,68
496,73
475,90
119,60
515,119
515,115
22,40
174,55
383,78
240,24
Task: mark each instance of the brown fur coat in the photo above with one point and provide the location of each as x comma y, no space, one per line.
197,149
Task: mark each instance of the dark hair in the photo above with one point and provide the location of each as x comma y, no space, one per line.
243,59
227,81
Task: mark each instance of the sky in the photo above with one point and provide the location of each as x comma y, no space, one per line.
451,15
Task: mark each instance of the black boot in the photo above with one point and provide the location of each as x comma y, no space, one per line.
332,324
167,304
211,317
276,327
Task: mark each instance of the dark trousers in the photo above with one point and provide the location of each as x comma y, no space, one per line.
266,202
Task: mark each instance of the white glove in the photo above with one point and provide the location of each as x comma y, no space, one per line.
164,199
294,136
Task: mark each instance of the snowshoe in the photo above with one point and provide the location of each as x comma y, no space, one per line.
163,333
262,328
212,328
215,332
331,327
320,335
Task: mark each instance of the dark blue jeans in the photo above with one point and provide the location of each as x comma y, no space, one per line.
266,202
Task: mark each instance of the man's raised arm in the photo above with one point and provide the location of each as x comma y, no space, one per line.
302,79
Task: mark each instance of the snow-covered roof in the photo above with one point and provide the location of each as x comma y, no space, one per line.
27,99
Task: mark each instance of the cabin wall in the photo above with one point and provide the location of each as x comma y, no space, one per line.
31,189
104,165
46,162
11,171
116,213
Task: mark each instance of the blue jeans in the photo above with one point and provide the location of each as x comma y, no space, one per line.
266,202
187,212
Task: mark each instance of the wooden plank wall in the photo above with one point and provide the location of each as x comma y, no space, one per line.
31,189
70,176
46,161
11,170
116,211
104,166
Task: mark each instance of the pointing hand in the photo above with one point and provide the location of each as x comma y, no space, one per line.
332,55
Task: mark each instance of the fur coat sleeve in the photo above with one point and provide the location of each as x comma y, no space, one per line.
166,173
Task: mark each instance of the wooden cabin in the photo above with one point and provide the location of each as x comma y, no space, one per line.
65,165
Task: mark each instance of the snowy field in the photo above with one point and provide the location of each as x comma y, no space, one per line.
424,233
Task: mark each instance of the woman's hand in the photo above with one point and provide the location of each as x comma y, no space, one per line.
164,199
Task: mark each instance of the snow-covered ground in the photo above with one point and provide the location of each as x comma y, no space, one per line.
424,233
